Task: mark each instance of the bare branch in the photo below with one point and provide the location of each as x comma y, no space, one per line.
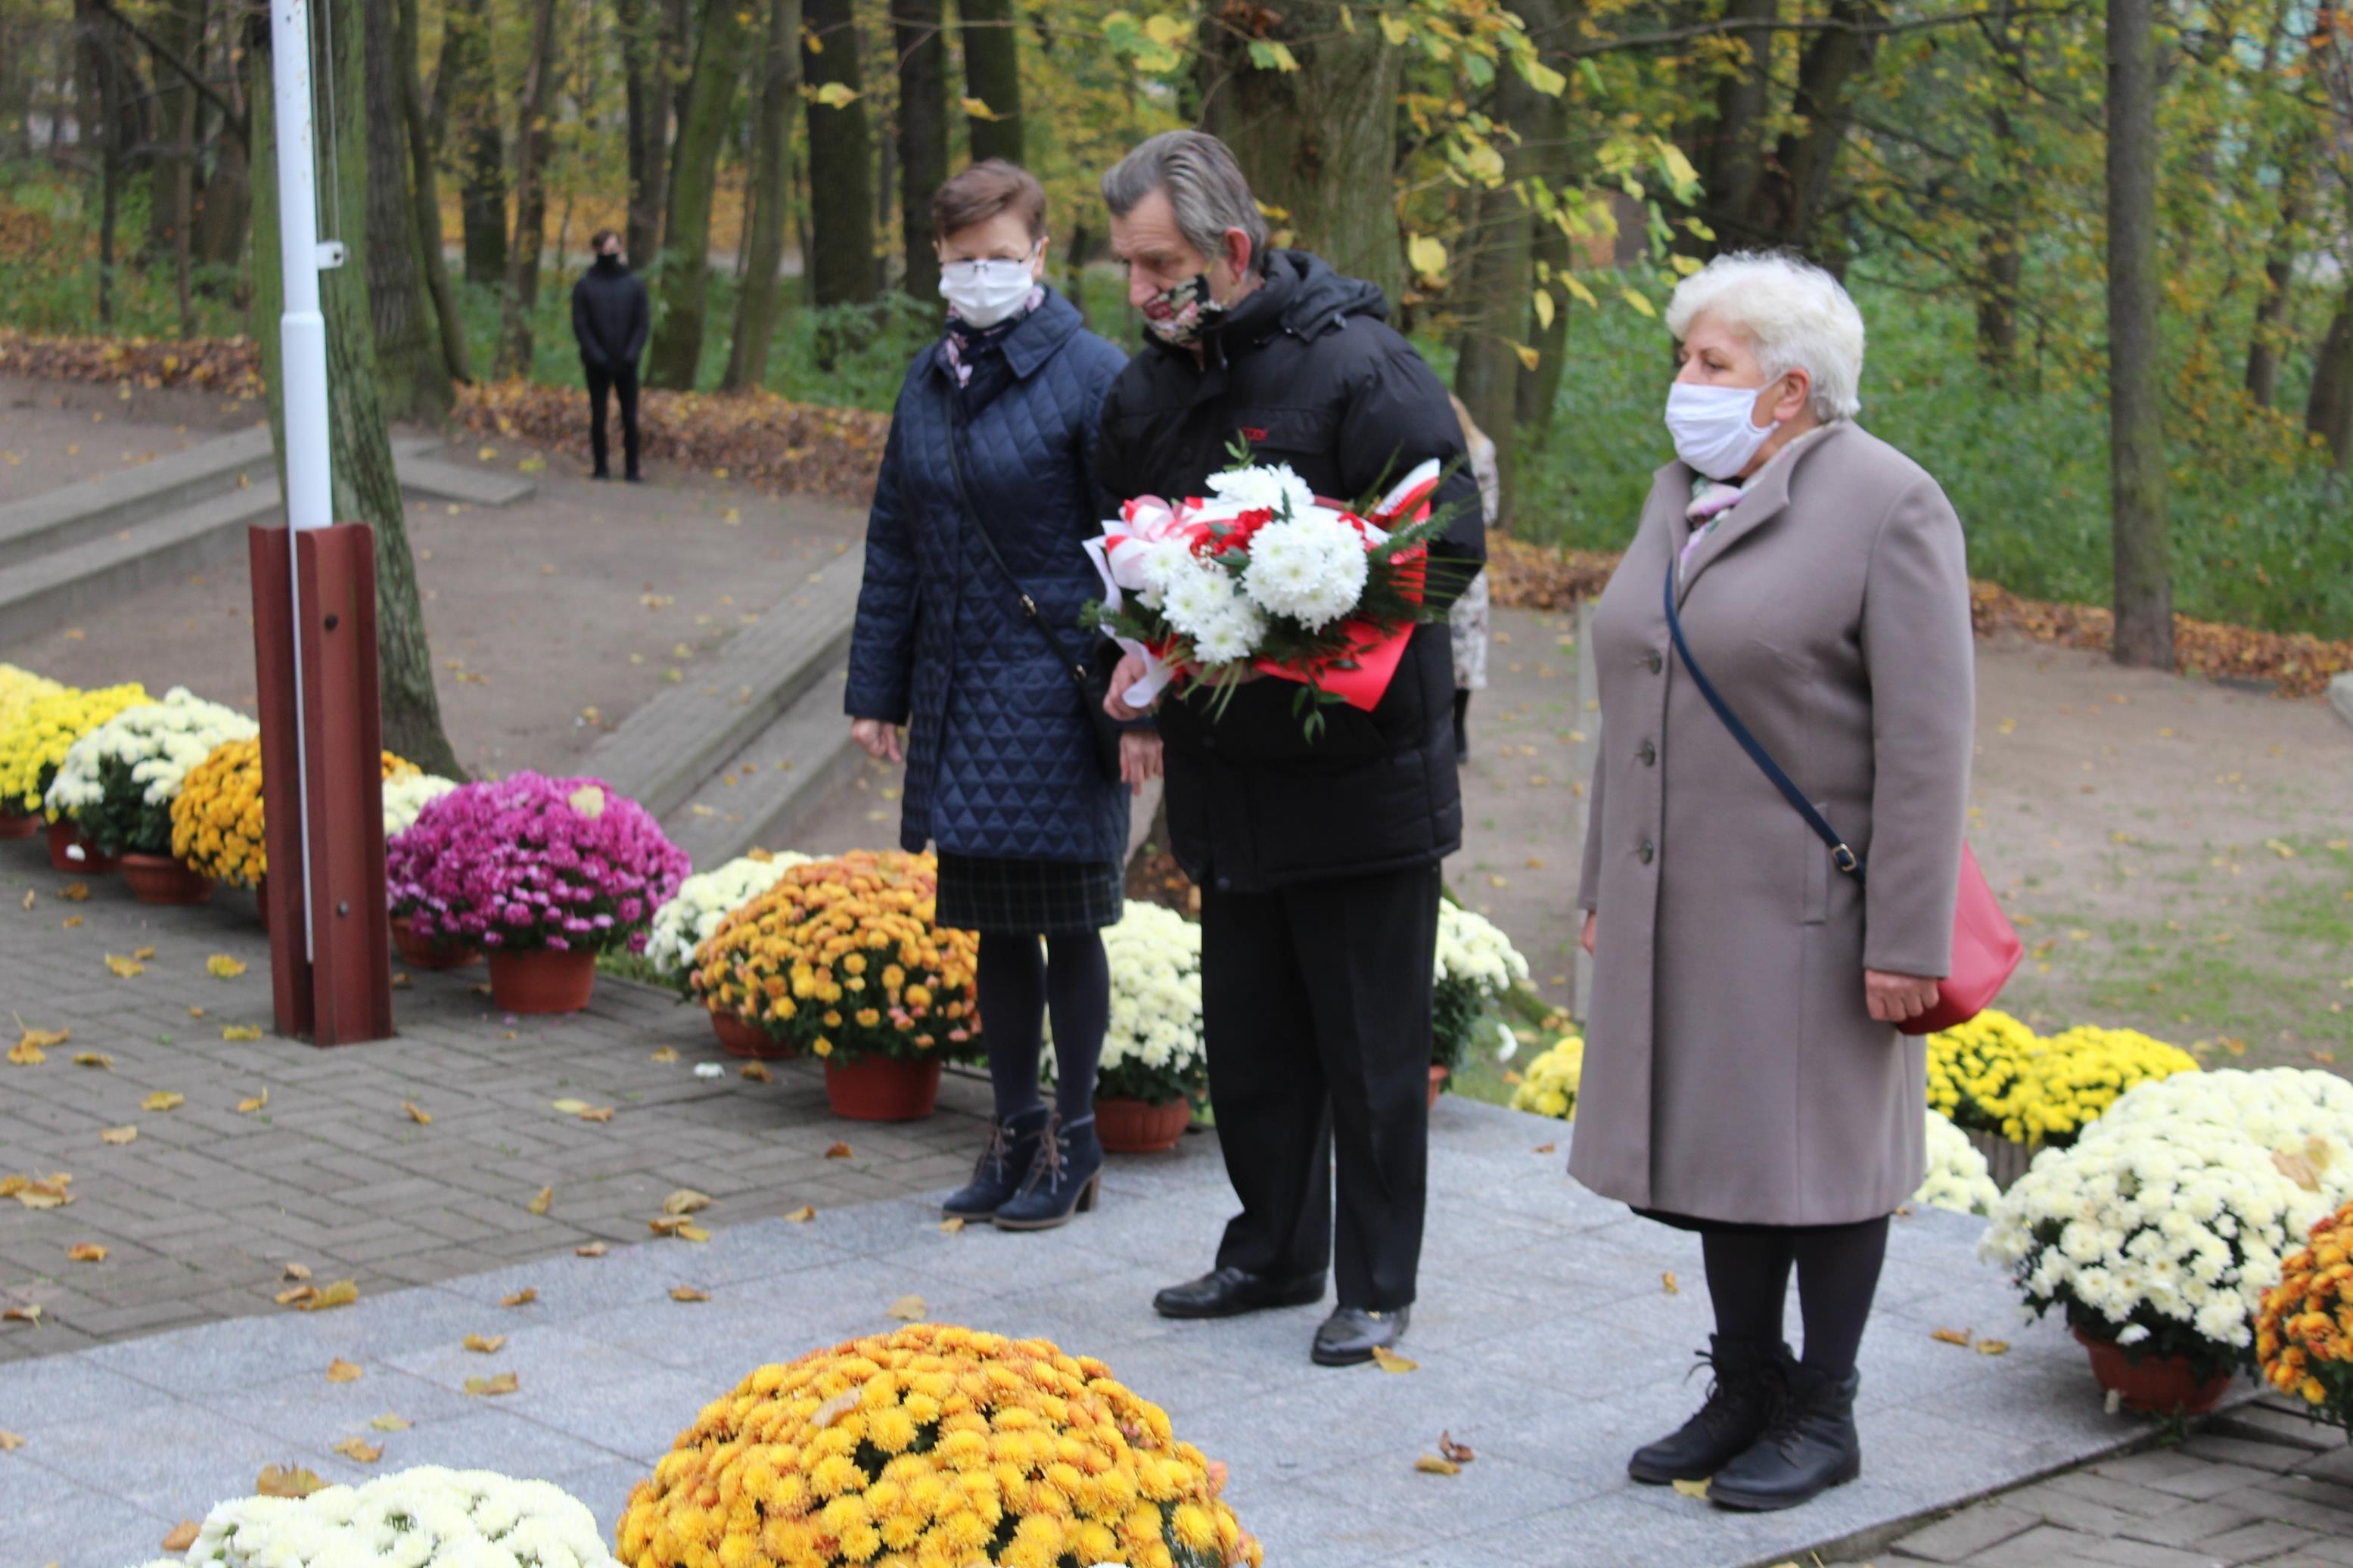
1734,26
235,121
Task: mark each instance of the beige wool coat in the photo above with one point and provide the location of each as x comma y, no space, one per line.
1732,1068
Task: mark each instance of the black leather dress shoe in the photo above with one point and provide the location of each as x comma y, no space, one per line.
1810,1447
1351,1334
1229,1292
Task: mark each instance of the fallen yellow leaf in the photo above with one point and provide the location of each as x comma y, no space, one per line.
485,1344
692,1233
594,1250
801,1215
756,1072
417,1113
523,1298
953,1223
597,1113
32,1046
666,1053
359,1450
388,1421
341,1293
74,892
221,966
1459,1452
183,1536
1389,1360
1952,1336
687,1293
71,922
492,1386
1993,1347
686,1200
543,1202
297,1271
163,1100
1693,1490
85,1252
906,1310
342,1371
1544,1149
570,1107
837,1151
142,954
29,1313
291,1481
97,1060
125,968
1431,1465
257,1103
118,1134
9,1441
1668,1283
240,1031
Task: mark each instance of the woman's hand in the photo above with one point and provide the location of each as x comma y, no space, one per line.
1139,758
878,739
1897,998
1585,938
1131,670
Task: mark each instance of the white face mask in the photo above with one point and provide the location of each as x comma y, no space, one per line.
983,293
1711,427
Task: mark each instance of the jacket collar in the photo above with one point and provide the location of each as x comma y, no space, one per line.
1764,502
1038,337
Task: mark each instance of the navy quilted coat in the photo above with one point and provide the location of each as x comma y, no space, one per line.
1000,761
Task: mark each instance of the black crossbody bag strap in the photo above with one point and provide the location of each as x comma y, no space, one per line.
1841,857
1099,728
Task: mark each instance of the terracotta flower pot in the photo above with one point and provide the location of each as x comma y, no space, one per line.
1438,1076
1140,1127
542,980
66,838
426,953
15,826
2154,1384
882,1089
160,879
738,1038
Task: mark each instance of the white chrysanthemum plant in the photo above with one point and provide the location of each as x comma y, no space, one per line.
1152,1051
118,783
1476,967
1958,1178
2162,1229
1264,577
422,1517
704,901
406,795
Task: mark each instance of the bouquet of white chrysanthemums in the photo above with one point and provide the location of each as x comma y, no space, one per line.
2162,1229
703,901
1151,1050
422,1517
1264,576
119,781
1476,968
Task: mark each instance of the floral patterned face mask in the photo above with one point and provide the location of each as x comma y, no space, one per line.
1191,311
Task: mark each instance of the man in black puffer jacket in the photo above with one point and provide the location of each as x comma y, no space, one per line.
610,316
1317,860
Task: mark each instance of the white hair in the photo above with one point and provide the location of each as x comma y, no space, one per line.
1797,316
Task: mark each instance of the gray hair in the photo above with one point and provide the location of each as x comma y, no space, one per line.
1797,316
1204,184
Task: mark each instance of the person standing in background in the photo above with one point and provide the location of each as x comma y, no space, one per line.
610,317
1467,621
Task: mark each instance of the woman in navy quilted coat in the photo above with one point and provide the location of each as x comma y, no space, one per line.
1002,774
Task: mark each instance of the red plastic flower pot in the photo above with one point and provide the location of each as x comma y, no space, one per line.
882,1089
1438,1076
738,1038
542,980
160,879
2154,1384
15,826
426,953
1140,1127
66,839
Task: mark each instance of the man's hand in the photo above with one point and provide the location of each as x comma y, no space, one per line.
878,739
1897,999
1139,758
1131,670
1585,938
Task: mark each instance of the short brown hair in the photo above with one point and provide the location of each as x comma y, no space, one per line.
980,193
596,240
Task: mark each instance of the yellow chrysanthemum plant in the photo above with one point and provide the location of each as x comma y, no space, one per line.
843,959
2304,1335
18,691
933,1447
1549,1087
34,745
217,820
1995,1075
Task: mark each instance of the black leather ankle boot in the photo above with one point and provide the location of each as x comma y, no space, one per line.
1749,1376
1810,1447
998,1175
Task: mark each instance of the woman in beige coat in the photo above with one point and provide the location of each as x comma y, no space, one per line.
1744,1076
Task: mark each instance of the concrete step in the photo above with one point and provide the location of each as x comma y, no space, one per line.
422,476
58,588
77,513
762,792
664,752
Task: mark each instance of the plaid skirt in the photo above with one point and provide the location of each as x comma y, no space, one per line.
1028,898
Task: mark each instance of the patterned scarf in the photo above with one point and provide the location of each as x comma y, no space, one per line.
1712,498
966,344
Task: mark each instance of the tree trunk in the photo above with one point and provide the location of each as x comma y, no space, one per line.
178,26
536,103
1554,27
992,73
841,167
1320,142
456,362
1730,153
2144,584
2001,248
2269,335
763,251
468,97
643,86
1502,277
685,276
414,383
1789,199
923,140
2329,411
366,489
226,203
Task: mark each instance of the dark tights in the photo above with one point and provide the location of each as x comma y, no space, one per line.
1838,1272
1017,983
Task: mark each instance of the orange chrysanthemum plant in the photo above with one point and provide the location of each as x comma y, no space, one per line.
2303,1336
217,818
933,1447
841,958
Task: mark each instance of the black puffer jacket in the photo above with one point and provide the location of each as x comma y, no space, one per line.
610,315
1307,372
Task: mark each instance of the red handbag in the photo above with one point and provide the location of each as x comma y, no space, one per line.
1986,949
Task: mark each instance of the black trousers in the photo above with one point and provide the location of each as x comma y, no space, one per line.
1316,1003
622,379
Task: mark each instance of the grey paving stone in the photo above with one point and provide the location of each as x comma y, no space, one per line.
2252,1542
1972,1530
638,1417
2037,1548
2145,1554
494,1437
2195,1521
2278,1458
2214,1479
2120,1497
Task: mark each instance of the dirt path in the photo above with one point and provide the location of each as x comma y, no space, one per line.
55,433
